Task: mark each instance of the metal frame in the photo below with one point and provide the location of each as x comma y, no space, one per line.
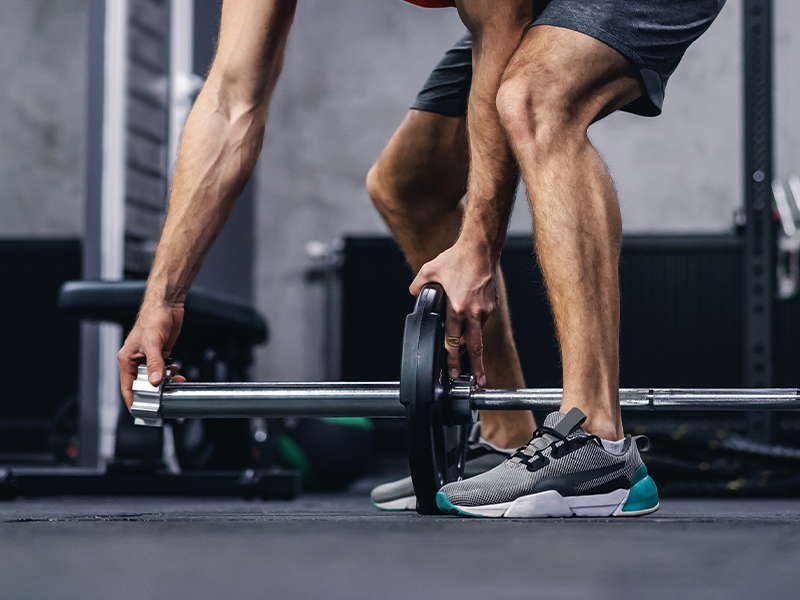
759,235
91,251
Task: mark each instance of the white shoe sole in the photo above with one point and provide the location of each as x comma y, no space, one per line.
553,504
407,503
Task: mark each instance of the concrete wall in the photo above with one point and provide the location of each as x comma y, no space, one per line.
42,117
354,67
787,88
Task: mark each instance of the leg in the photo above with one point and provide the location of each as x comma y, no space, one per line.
417,185
469,269
557,84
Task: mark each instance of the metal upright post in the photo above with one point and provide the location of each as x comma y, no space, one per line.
89,428
758,260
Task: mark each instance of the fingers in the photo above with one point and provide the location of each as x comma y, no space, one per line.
419,281
474,339
155,364
149,342
127,374
173,374
452,339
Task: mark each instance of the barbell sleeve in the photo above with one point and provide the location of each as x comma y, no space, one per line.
244,400
645,399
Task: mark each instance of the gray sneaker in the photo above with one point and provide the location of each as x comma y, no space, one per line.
399,495
563,471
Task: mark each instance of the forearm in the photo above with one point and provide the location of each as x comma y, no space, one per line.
497,28
492,179
221,141
218,153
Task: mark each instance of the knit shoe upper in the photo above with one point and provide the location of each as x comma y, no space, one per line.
560,457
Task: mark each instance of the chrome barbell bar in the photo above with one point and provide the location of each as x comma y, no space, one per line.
382,399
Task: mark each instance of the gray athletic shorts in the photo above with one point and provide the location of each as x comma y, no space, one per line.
652,34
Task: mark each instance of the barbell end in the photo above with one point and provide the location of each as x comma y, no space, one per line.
146,407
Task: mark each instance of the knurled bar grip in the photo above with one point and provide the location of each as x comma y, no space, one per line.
382,399
645,399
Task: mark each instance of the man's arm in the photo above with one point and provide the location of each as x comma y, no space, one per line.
219,149
468,269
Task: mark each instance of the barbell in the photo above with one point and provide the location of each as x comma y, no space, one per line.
438,410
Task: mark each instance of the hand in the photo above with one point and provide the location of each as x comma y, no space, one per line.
468,276
150,341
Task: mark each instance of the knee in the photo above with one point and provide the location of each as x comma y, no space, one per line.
380,191
392,195
536,114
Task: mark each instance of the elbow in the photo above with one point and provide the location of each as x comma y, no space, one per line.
240,104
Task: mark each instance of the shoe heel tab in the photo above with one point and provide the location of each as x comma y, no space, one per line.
642,443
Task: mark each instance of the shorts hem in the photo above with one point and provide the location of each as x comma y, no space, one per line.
649,105
439,108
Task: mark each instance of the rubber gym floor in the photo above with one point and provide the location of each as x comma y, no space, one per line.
338,546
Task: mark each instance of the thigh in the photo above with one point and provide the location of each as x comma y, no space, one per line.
427,159
575,72
652,34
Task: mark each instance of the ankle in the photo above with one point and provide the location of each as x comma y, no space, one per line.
515,430
605,430
605,425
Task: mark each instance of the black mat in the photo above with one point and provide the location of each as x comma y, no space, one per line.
326,546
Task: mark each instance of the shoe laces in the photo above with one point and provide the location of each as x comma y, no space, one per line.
561,441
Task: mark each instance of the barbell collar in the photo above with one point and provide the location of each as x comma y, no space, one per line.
146,407
459,401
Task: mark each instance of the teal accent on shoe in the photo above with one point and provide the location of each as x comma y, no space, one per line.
640,474
447,507
643,494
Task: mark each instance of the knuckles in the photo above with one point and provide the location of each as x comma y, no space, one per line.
452,341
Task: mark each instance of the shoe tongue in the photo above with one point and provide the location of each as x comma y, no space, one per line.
565,423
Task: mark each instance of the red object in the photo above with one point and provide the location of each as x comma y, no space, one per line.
433,3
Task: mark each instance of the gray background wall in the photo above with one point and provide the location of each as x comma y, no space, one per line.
352,69
42,117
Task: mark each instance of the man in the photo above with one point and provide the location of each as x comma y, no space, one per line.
580,61
219,148
543,73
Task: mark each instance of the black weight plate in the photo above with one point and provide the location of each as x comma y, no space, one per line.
436,452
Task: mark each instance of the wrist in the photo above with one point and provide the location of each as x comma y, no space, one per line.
479,252
161,295
480,246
